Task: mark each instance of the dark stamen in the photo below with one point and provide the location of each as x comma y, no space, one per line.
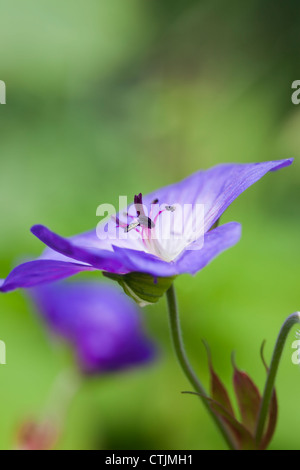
138,199
131,226
146,221
143,220
138,202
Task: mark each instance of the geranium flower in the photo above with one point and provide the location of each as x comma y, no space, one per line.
102,325
146,261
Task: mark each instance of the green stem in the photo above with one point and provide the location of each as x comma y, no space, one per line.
269,386
184,362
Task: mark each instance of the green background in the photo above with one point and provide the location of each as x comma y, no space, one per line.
122,96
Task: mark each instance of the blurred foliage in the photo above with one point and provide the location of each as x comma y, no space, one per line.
108,98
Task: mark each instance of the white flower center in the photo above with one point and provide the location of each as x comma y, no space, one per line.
167,230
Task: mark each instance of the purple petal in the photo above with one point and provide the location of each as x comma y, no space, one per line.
118,260
123,260
215,241
216,187
140,261
37,272
106,260
101,323
191,261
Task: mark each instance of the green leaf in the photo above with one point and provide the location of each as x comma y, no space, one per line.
143,288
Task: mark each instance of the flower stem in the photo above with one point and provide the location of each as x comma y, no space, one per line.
184,362
64,389
270,382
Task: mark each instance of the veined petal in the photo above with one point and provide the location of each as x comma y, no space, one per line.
124,260
80,250
216,187
140,261
120,260
37,272
192,259
215,241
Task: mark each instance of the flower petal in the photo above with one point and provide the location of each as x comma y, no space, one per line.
101,323
216,187
215,241
119,261
124,260
140,261
80,249
37,272
192,259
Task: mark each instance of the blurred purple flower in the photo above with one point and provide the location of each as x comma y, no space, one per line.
100,322
215,188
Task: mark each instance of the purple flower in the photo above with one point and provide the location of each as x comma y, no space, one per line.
152,257
99,321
